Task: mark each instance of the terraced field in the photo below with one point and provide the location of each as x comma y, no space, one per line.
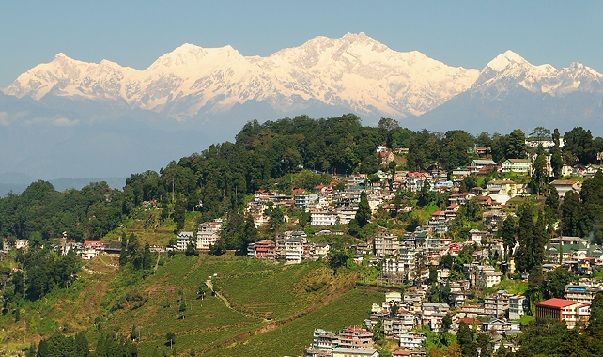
261,308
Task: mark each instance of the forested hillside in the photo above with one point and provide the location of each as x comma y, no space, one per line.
217,179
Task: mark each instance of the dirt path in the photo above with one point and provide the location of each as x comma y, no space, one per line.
209,284
273,325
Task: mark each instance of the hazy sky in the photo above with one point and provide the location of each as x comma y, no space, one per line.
460,33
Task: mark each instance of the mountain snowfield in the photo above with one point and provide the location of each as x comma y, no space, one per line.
103,119
354,71
509,70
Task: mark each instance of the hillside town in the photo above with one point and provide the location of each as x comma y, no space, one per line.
479,249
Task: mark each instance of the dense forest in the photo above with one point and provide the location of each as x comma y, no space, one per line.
216,180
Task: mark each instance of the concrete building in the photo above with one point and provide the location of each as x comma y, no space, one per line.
516,306
386,245
208,234
323,217
517,165
183,239
568,311
582,292
412,340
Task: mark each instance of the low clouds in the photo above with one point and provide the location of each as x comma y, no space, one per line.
64,122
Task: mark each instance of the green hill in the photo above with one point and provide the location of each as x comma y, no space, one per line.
261,308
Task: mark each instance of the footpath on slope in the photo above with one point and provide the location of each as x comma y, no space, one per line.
272,325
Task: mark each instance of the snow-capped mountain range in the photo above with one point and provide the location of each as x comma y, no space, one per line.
354,71
193,96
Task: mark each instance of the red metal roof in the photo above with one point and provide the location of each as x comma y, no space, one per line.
556,303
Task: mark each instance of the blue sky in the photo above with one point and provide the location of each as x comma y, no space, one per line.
461,33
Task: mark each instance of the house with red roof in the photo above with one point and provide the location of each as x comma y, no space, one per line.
569,311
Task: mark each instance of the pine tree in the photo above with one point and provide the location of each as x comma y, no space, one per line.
572,216
595,322
508,233
525,237
557,162
249,235
363,215
539,171
191,248
464,337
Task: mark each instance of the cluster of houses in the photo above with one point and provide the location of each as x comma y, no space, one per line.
87,249
352,341
207,235
291,247
404,315
326,206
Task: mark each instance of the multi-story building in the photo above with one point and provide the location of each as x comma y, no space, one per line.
386,245
412,340
346,214
208,234
355,337
304,201
325,339
323,217
565,186
263,249
433,313
516,306
401,323
582,292
183,239
571,312
517,165
497,304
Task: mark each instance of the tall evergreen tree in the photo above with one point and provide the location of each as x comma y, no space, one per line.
572,216
464,337
363,215
525,237
508,234
539,171
556,162
595,322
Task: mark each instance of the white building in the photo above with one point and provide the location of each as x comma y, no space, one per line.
412,340
183,239
323,217
516,310
346,214
208,234
290,246
517,165
305,201
582,292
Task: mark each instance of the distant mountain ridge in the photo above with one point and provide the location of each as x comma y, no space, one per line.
354,71
81,119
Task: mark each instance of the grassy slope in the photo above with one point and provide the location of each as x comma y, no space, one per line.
290,338
147,226
265,299
273,308
72,309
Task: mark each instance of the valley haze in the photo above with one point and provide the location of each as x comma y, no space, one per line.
69,118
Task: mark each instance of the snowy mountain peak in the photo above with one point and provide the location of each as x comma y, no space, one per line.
354,71
189,56
506,60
